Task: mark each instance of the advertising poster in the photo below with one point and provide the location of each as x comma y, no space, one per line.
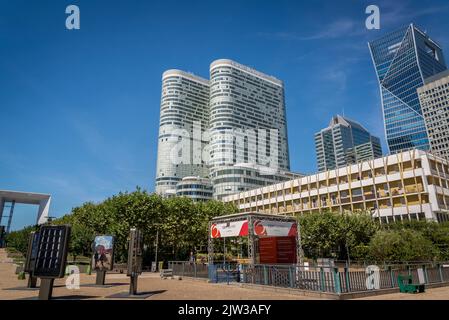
229,229
103,256
266,228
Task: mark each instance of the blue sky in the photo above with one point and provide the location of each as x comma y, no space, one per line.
79,109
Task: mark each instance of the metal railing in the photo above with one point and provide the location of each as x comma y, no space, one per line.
313,278
339,280
189,269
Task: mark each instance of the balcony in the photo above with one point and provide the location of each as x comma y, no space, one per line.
382,193
370,196
357,198
414,188
396,191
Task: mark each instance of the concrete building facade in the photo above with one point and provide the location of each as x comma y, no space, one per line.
434,99
411,185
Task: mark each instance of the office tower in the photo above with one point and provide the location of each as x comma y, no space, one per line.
403,59
248,130
231,129
184,117
434,99
344,142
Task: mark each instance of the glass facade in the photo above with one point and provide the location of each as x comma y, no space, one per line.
344,142
184,103
402,60
196,188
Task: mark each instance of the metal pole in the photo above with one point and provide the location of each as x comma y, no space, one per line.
347,253
157,244
301,252
46,288
100,278
133,285
32,281
224,252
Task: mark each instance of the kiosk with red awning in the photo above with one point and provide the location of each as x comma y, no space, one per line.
272,239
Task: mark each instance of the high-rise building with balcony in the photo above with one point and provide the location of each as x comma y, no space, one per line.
434,98
231,129
184,117
247,126
344,142
403,59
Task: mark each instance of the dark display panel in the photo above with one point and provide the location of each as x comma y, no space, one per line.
274,250
135,250
51,255
33,243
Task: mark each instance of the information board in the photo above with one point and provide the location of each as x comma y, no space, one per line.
51,257
103,253
33,242
274,250
135,251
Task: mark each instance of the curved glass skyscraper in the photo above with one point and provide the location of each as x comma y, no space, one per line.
231,129
402,60
184,118
248,129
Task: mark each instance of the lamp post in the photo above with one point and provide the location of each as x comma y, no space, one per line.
301,252
156,249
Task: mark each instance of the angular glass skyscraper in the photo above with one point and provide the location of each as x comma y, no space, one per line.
403,59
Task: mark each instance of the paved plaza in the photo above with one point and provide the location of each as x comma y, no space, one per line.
159,289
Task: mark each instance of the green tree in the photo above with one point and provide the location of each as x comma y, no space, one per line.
401,245
19,239
330,234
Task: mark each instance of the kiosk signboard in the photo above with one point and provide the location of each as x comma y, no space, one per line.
33,242
135,250
103,253
51,256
